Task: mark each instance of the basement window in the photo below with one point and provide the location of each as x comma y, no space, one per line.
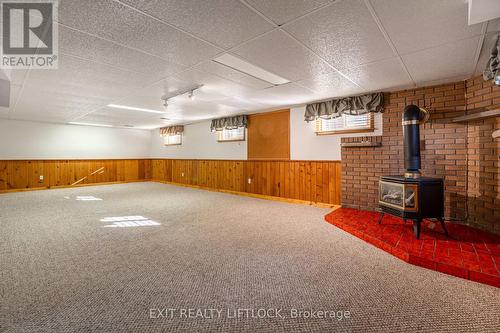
172,139
345,124
228,135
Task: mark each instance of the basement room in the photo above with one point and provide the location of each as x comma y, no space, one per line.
250,166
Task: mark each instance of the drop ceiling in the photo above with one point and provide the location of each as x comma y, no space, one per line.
133,52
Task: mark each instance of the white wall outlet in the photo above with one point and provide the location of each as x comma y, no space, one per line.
41,178
182,174
249,180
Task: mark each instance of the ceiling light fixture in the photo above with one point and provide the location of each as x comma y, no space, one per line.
89,124
245,67
189,92
116,106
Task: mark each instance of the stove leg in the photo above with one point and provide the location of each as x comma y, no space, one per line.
381,217
443,226
404,220
416,228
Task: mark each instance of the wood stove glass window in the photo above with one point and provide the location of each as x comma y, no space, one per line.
392,194
345,124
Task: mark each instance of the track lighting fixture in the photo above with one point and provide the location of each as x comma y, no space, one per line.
189,92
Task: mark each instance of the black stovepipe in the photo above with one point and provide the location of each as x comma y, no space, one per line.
413,116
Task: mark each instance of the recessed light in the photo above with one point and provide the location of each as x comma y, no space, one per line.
247,68
89,124
116,106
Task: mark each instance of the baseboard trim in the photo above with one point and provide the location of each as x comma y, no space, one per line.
253,195
70,186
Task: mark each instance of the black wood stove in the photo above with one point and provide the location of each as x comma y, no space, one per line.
411,196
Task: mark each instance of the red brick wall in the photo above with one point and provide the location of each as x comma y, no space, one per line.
446,149
483,154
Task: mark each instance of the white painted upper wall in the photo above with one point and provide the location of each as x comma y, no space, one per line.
306,145
34,140
198,142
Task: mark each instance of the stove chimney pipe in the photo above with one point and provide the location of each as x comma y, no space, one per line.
413,116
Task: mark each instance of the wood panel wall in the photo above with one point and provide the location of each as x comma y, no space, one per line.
269,135
17,175
312,181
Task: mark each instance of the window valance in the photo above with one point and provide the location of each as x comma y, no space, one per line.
355,105
229,123
171,130
492,70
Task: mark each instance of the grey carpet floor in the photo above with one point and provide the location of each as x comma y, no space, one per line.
62,270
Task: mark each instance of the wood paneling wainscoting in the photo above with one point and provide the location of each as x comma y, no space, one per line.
306,181
310,181
25,174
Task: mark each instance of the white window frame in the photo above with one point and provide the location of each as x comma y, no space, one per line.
220,135
345,129
169,141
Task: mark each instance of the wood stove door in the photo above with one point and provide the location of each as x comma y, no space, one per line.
391,194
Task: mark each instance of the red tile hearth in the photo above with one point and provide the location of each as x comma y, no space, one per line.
467,253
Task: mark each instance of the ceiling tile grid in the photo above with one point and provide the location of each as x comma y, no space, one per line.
225,23
133,52
282,11
343,33
114,21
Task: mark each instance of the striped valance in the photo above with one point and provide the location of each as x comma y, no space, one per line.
355,105
171,130
229,123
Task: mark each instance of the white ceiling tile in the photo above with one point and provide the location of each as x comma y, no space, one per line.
78,77
40,104
380,75
330,85
116,113
438,82
449,60
82,45
281,55
211,83
120,117
222,22
344,34
232,75
283,95
116,22
419,24
282,11
241,103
